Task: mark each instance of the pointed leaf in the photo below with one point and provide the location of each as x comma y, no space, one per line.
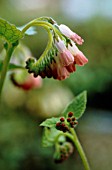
9,32
77,106
50,122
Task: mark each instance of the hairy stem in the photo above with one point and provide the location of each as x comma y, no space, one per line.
75,140
5,66
37,22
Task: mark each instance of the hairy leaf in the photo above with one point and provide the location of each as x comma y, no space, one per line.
77,106
50,122
9,32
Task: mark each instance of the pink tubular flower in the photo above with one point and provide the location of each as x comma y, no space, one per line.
30,83
70,34
79,57
65,56
71,68
58,70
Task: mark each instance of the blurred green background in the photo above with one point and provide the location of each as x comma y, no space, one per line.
21,112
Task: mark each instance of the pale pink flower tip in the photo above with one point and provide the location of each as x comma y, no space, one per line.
80,59
76,38
31,82
70,34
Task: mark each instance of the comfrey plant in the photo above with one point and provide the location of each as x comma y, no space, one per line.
57,61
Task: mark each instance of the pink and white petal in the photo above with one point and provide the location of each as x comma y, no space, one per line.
60,45
36,82
80,59
66,58
62,73
73,48
76,38
70,34
65,30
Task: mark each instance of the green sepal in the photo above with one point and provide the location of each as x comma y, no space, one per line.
42,64
9,32
47,19
77,105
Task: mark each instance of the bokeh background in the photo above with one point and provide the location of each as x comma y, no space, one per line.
22,112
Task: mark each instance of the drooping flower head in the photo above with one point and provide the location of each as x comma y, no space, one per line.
65,55
62,56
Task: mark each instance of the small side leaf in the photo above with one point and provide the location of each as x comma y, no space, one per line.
77,106
49,136
11,66
50,122
9,31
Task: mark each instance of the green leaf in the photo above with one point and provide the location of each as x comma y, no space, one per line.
77,106
9,31
11,66
50,122
49,136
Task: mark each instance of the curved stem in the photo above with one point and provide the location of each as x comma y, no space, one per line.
75,140
5,66
37,22
49,44
50,40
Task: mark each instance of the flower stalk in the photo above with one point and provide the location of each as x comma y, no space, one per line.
9,52
58,61
75,140
67,125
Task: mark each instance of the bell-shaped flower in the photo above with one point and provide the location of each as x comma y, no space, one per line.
59,71
79,57
70,34
71,68
65,55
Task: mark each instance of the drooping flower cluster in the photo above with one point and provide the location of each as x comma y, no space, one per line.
61,58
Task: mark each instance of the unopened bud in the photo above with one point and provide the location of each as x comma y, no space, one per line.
62,119
70,114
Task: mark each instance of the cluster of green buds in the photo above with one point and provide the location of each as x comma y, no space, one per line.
66,123
61,54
